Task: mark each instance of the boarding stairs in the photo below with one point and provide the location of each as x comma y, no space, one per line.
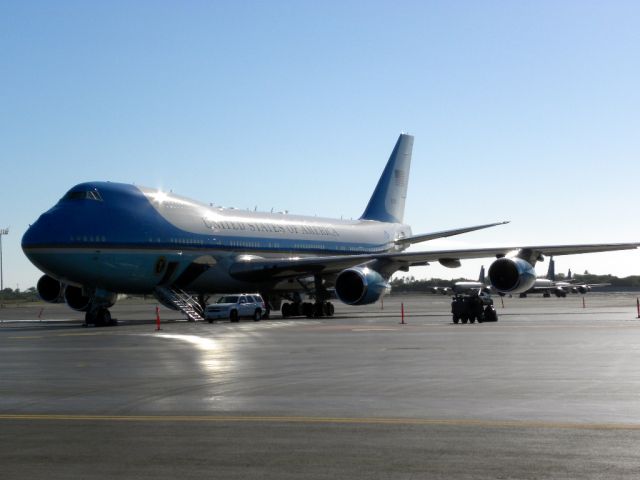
177,299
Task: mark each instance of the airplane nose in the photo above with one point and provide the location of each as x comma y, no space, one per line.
40,233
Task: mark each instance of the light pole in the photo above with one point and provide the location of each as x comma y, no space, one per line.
3,231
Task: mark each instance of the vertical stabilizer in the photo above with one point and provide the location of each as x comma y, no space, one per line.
387,202
569,275
551,273
481,278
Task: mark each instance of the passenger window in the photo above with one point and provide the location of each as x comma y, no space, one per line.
243,300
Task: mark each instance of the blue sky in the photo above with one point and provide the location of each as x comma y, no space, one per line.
524,111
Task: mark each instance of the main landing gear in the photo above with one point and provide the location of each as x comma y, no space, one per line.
320,308
308,309
99,317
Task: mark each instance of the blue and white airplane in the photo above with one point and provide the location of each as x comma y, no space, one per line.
103,239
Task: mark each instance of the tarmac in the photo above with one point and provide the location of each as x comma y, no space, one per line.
550,391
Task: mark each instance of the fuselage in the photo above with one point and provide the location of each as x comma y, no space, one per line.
128,239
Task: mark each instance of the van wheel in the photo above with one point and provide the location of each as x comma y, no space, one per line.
233,316
257,315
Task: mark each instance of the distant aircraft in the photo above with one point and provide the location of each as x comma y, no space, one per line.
548,285
572,287
462,287
106,238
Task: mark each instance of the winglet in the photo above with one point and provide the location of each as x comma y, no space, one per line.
388,199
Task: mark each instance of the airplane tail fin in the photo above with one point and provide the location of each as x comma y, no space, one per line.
387,202
481,278
569,275
551,273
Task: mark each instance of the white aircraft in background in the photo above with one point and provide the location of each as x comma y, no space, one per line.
104,238
548,285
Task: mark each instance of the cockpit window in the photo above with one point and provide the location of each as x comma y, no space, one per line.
83,195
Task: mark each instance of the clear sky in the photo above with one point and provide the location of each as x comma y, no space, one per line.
521,111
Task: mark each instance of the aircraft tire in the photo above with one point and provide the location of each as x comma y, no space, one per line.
463,319
456,319
307,309
98,318
105,315
329,309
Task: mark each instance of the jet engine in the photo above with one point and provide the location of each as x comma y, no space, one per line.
512,275
360,286
50,289
76,299
584,288
560,292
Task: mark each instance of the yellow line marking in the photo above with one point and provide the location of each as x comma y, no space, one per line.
455,422
30,337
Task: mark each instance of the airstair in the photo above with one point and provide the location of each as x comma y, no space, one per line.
177,299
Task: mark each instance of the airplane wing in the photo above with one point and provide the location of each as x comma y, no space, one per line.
444,233
257,270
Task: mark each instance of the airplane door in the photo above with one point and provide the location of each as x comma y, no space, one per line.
168,273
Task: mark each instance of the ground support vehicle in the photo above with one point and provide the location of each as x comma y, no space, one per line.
471,307
233,307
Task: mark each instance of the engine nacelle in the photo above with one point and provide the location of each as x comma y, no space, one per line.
360,286
50,289
584,288
512,275
76,299
560,292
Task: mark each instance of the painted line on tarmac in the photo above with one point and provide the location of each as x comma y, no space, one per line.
375,329
326,420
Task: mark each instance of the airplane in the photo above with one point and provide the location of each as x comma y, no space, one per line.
463,286
569,286
103,239
549,285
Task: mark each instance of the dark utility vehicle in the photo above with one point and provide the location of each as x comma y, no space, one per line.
471,307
